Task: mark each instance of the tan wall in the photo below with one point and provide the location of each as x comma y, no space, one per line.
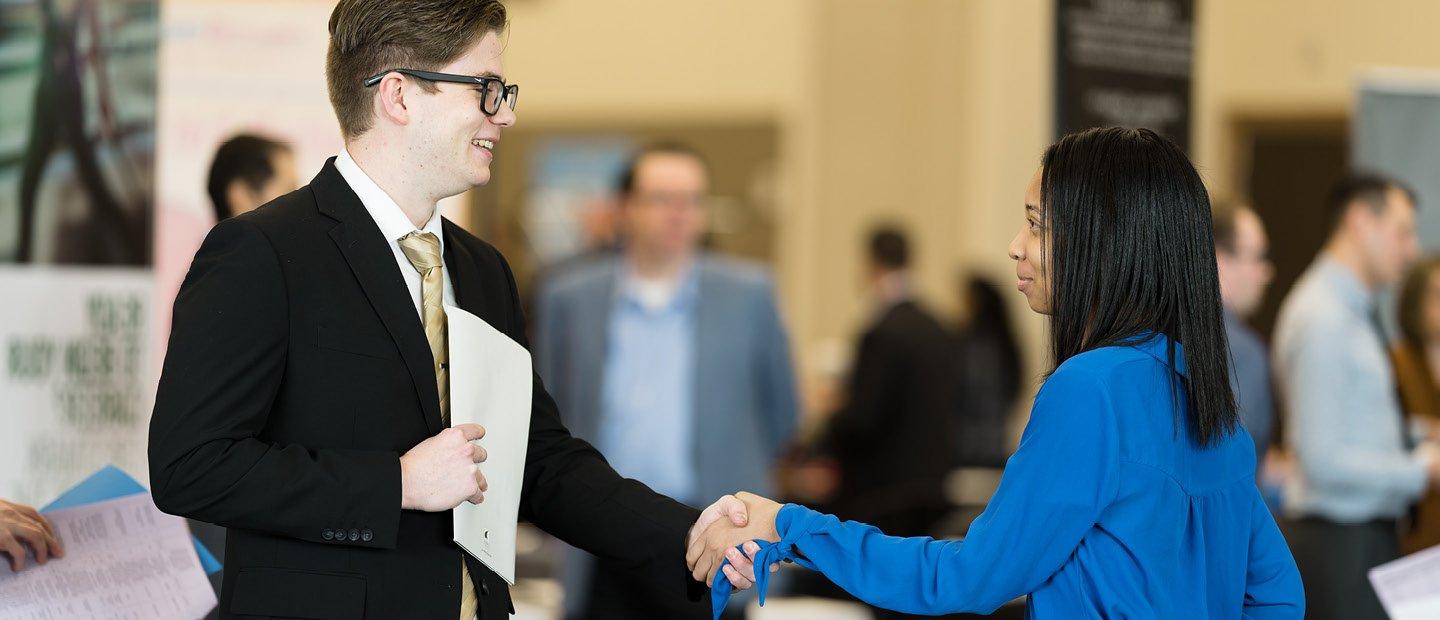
1293,58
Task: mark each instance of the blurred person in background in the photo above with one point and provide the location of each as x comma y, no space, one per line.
248,171
1417,369
990,375
26,533
893,436
1242,257
673,361
1358,469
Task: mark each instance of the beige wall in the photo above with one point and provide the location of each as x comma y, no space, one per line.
1294,58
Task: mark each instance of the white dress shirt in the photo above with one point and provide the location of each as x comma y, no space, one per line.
394,224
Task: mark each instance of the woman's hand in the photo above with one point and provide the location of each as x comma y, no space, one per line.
708,550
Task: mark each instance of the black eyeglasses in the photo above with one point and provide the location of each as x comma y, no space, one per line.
495,89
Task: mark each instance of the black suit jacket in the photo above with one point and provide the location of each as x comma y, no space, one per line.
893,439
298,372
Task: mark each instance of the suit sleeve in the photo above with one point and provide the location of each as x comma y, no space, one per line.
874,384
223,368
777,382
572,493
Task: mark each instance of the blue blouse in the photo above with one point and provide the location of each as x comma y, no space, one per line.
1109,509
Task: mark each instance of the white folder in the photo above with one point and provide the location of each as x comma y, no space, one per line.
491,384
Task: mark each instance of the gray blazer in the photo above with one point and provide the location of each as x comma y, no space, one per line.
745,403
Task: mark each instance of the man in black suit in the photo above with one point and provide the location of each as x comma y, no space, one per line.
304,399
892,439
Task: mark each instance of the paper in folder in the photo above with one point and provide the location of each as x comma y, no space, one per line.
491,384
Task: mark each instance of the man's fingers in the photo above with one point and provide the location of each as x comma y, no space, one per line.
481,481
38,540
477,499
471,431
478,454
734,509
11,546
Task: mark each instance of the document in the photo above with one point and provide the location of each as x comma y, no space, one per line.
491,384
110,482
123,559
1409,587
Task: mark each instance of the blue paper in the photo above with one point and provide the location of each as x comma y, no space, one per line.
109,483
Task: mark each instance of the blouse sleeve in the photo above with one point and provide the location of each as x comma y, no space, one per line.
1052,492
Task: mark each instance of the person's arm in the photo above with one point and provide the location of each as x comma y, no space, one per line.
872,387
1052,493
1272,581
1317,384
777,376
223,368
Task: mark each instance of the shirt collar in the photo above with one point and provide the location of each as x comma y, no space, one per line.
388,215
1156,345
685,289
1344,282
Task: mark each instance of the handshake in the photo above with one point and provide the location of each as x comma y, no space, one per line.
748,518
441,472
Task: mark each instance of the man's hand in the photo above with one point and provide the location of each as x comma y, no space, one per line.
440,472
719,539
21,525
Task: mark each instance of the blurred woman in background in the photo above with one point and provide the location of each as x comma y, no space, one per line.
1417,358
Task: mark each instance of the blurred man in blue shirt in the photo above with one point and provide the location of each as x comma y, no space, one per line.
1242,255
1358,468
672,361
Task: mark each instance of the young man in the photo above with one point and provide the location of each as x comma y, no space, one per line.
304,399
671,360
1359,470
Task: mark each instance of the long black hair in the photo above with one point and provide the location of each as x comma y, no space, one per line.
1132,251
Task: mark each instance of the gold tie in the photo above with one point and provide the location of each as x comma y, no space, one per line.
423,250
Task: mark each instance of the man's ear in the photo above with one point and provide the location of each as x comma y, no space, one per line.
390,99
241,197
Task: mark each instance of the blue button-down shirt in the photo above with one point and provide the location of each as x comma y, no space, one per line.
1344,417
647,395
1250,381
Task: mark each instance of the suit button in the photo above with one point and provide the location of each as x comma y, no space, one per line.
354,535
366,535
484,589
329,534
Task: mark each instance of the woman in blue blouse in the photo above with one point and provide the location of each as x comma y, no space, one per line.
1132,494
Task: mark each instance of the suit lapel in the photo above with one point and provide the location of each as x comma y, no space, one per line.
370,258
468,282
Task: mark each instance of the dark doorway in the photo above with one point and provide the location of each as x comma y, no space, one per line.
1287,167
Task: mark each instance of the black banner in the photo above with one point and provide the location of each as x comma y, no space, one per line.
1126,63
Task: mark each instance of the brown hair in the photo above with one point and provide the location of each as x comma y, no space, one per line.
1412,302
370,36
